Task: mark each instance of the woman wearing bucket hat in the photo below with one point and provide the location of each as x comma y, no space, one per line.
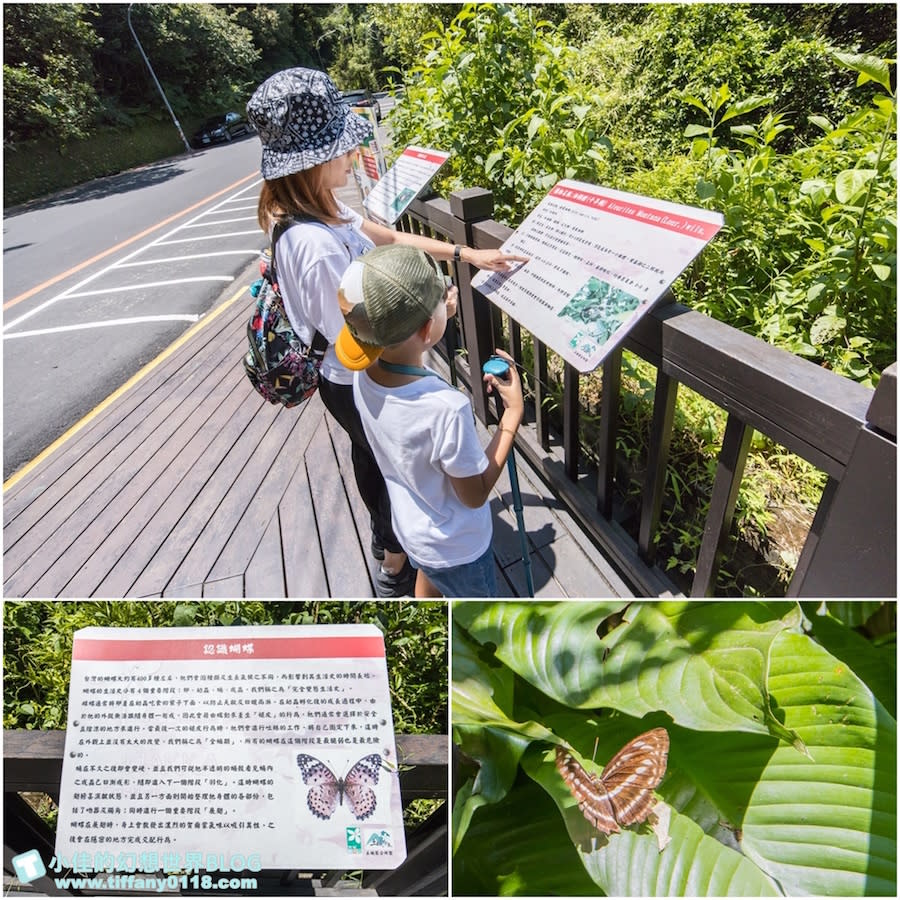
308,137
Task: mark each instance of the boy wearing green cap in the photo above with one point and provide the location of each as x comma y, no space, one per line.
422,432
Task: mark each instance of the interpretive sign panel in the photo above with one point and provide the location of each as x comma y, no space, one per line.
230,748
414,168
368,162
599,260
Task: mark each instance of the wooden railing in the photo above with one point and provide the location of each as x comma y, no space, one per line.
33,760
846,430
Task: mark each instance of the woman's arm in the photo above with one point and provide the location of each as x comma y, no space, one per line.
481,259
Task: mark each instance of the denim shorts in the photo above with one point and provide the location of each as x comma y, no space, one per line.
474,579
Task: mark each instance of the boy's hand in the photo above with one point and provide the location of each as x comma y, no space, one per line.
509,390
452,300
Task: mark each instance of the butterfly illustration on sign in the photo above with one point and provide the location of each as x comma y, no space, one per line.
622,794
327,791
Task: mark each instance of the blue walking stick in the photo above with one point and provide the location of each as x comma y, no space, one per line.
499,367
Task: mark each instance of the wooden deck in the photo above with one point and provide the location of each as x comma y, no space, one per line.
187,484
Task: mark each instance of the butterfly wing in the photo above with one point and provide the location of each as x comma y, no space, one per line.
588,790
324,789
632,774
359,786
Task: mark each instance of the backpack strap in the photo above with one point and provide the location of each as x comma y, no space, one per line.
319,342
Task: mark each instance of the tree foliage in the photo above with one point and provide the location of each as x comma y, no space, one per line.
47,70
37,648
782,766
793,142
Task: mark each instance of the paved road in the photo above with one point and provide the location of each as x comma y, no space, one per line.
99,279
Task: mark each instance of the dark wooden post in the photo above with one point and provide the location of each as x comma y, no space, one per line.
729,472
657,460
611,387
851,550
467,207
570,420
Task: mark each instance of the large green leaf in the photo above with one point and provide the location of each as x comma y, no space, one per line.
827,825
519,848
705,664
818,824
483,728
481,691
875,665
852,613
631,863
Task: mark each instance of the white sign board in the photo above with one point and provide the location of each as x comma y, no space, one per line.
402,183
230,748
599,260
368,161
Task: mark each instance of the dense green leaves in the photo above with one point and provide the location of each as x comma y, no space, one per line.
496,87
37,648
809,807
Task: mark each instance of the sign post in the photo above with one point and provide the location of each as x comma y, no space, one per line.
599,260
230,749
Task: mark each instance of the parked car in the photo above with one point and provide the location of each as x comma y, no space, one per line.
361,98
223,127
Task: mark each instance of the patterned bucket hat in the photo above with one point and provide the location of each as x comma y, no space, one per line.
302,122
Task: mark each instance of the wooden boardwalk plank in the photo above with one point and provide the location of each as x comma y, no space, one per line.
304,567
65,467
264,577
206,549
109,505
342,450
260,497
345,566
224,589
204,490
171,533
116,564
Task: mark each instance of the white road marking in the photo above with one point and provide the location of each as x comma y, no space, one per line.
208,237
175,317
224,222
151,284
61,296
171,259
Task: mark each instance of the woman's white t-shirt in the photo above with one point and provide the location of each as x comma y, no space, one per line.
311,260
420,433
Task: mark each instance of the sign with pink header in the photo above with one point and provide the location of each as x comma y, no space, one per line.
247,747
599,260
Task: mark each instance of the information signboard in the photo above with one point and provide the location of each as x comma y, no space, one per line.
368,162
230,748
403,182
599,260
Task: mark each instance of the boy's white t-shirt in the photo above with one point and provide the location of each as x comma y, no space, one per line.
311,260
420,433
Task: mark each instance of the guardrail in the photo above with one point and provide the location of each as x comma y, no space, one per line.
844,429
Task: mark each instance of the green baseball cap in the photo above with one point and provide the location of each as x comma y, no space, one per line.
386,296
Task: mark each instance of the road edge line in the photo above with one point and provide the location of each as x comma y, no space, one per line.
142,373
30,292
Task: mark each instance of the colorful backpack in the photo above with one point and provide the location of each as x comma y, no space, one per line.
281,367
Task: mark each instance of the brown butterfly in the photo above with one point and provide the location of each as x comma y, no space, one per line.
622,793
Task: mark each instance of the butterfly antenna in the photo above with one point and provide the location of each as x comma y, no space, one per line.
596,744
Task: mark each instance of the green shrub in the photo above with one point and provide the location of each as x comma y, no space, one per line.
781,775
